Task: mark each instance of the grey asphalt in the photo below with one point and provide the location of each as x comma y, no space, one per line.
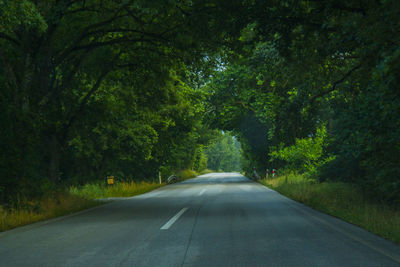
220,219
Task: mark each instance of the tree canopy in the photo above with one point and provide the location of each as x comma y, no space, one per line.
312,65
92,88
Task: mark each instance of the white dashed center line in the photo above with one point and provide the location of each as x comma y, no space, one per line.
202,192
173,219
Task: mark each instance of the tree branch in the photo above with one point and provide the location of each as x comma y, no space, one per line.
111,42
349,9
118,30
9,38
82,9
83,103
241,103
183,11
84,34
65,82
335,84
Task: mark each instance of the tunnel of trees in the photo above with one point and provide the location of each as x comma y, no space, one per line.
128,88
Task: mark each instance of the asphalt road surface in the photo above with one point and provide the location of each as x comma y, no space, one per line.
220,219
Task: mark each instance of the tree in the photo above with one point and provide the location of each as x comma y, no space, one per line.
224,154
305,64
67,69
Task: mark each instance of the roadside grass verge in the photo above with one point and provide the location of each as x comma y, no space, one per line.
77,199
27,212
186,174
341,200
206,171
119,189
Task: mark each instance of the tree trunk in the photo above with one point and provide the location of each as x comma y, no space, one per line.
54,158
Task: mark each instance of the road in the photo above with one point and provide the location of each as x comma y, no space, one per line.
220,219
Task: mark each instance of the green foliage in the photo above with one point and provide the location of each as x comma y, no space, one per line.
224,154
21,14
306,155
200,159
96,88
93,88
307,64
186,174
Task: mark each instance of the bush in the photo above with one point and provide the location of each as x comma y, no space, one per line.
306,155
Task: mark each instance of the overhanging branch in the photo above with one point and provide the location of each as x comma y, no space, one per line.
335,84
83,103
9,38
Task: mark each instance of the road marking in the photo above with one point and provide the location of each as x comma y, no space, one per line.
173,219
202,192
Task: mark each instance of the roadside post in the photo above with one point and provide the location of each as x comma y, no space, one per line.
255,174
110,180
159,177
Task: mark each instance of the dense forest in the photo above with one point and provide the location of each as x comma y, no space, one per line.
130,88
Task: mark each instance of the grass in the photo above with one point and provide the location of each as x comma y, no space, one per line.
341,200
206,171
186,174
78,198
41,209
119,189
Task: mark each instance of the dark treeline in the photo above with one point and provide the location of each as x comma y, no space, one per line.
128,88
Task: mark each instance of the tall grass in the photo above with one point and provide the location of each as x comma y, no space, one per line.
26,212
78,198
342,200
119,189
